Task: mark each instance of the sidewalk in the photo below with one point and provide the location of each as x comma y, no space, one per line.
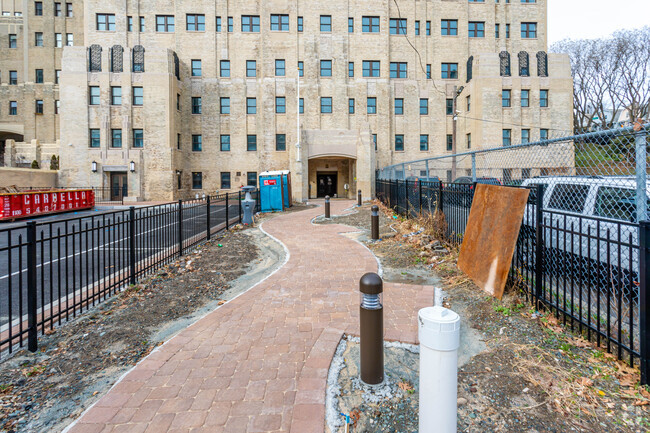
259,363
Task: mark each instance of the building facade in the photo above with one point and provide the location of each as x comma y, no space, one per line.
162,100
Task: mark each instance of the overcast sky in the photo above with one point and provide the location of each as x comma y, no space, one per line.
582,19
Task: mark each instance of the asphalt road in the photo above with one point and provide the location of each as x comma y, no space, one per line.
76,250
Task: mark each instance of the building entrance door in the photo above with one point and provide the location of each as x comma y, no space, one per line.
326,184
119,186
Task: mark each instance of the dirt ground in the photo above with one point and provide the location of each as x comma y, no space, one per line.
79,361
534,376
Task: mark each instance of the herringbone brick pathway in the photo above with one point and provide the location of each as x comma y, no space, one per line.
259,363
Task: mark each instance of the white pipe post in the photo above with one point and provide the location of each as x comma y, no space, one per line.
439,332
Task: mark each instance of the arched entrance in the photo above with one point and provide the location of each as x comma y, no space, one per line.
334,176
8,135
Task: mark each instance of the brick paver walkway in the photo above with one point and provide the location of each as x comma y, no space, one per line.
259,363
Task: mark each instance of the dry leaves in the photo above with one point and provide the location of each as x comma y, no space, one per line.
585,381
405,386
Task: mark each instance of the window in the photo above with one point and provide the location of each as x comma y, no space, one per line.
251,143
57,9
165,23
528,30
250,23
469,141
195,22
13,41
449,70
525,98
116,138
251,105
94,138
38,39
178,101
525,136
299,24
449,27
505,98
301,69
424,143
507,31
116,95
224,106
506,134
351,106
94,95
58,40
230,24
325,68
326,105
301,105
38,8
57,76
251,68
225,143
399,142
141,29
450,142
417,28
424,106
105,22
129,24
138,138
280,142
350,69
224,68
196,105
428,28
374,140
178,141
280,105
504,64
372,105
569,197
371,68
197,143
251,178
350,25
68,10
496,31
279,68
38,76
468,99
370,24
398,70
476,29
397,26
69,39
218,24
179,179
197,180
399,106
542,64
449,107
428,71
325,23
543,98
524,70
225,180
196,68
280,23
616,203
138,96
543,134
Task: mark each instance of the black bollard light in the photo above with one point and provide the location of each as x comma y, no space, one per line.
372,329
374,220
359,198
327,206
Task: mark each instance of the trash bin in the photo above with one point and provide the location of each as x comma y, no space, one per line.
275,190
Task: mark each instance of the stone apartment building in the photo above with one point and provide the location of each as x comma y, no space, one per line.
163,99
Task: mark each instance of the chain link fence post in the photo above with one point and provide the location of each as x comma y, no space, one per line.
641,166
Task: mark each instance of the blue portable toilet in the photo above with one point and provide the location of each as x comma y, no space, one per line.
275,190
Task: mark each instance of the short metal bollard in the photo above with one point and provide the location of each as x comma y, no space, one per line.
374,220
359,198
372,329
327,206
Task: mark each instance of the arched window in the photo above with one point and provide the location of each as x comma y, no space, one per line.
524,70
95,58
504,60
542,64
470,61
117,58
177,67
138,58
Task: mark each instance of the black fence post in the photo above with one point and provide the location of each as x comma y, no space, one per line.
207,203
180,227
32,340
227,225
239,205
132,244
440,187
644,302
406,189
539,246
420,195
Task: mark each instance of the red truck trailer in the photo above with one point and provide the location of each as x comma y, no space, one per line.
35,203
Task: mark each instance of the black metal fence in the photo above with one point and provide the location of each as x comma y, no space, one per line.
590,271
52,270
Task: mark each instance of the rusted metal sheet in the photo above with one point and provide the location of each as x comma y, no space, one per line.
491,235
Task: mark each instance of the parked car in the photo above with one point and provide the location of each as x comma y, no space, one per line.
462,189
